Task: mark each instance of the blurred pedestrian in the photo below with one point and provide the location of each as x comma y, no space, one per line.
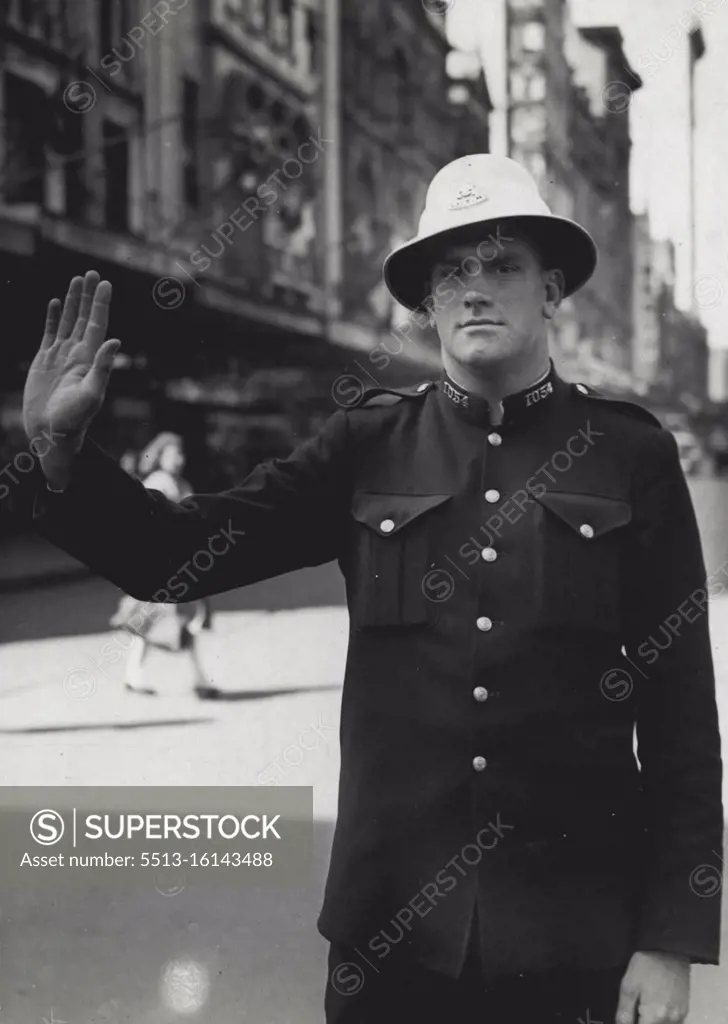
160,468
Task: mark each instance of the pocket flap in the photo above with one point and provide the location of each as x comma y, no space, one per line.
387,514
590,515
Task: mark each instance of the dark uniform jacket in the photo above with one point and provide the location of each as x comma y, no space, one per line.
523,600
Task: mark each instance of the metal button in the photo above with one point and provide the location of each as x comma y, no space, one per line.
582,389
586,531
386,525
480,693
492,496
423,387
479,763
495,439
489,554
484,623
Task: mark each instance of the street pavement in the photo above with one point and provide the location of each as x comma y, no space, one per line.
204,954
252,955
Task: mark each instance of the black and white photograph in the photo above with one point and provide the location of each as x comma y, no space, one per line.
363,511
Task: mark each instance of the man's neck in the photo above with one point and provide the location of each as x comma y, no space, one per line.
502,382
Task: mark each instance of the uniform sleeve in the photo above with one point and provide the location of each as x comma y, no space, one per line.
678,740
288,513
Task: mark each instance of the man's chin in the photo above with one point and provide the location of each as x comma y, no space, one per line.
484,351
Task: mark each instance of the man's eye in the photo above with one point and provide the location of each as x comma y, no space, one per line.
507,268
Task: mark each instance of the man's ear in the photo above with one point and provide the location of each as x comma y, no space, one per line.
554,284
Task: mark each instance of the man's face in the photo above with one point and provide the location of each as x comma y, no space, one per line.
490,303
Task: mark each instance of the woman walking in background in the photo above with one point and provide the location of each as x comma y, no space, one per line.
160,468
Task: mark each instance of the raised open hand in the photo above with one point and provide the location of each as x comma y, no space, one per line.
68,378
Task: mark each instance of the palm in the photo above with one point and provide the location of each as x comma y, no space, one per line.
68,378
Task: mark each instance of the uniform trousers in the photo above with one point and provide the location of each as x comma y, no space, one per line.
396,990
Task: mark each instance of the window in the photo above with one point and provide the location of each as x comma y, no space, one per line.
63,23
403,102
42,20
368,76
532,37
23,172
124,16
310,43
281,29
257,11
537,87
26,13
190,109
365,176
116,166
248,161
115,20
74,169
379,90
107,37
520,85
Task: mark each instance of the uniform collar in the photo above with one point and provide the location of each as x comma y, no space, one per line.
519,407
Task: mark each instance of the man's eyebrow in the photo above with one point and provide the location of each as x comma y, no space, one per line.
487,254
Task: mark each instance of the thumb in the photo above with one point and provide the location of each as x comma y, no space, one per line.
627,1007
97,377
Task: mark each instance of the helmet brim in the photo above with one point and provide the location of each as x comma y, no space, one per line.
562,244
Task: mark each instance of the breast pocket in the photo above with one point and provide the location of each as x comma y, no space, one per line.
393,537
581,551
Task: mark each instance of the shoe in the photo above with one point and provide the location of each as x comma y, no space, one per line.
205,692
146,690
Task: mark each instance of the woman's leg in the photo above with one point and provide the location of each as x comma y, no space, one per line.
194,653
134,666
189,643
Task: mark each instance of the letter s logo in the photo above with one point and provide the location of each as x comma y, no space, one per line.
47,827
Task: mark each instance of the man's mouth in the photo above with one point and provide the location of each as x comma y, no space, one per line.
482,321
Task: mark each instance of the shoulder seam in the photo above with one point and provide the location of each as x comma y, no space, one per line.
621,404
369,396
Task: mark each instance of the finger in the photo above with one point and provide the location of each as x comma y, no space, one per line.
70,308
99,316
97,378
654,1014
53,316
88,291
626,1007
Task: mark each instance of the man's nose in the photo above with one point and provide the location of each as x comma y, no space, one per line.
475,297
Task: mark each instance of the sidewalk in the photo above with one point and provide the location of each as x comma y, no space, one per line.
28,561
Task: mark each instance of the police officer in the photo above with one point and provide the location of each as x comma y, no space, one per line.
526,592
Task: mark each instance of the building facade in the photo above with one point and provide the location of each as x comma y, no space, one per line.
682,373
237,169
604,84
686,358
567,122
718,375
645,312
398,127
